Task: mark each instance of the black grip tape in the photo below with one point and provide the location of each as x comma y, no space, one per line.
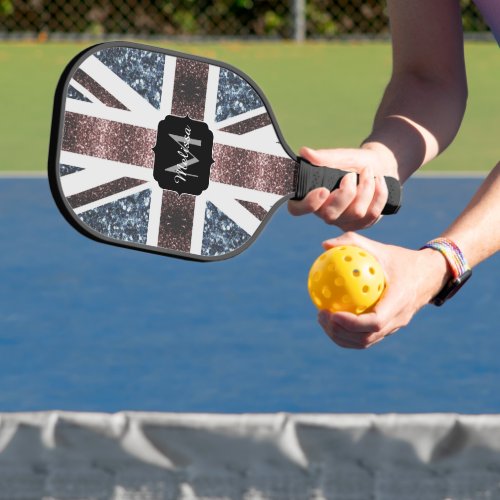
312,177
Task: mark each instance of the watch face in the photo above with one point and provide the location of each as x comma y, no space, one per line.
451,288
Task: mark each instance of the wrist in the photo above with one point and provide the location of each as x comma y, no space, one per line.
386,157
437,272
457,266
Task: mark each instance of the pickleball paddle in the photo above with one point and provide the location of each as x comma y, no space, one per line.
172,153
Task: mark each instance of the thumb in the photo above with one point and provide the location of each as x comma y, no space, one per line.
339,157
349,238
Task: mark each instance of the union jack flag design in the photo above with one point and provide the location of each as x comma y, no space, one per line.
113,105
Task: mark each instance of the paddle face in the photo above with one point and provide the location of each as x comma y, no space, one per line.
165,152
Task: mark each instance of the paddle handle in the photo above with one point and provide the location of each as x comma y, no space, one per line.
310,177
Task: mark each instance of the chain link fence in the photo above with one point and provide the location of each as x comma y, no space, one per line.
286,19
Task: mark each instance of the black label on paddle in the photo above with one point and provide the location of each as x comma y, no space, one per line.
183,155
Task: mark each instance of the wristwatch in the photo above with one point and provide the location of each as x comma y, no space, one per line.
460,270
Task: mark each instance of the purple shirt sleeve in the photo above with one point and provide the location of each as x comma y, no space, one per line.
490,9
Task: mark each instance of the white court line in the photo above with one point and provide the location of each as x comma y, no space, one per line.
455,174
11,174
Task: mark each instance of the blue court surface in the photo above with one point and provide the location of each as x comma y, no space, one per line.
90,327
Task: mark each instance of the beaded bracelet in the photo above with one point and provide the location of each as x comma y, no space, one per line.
452,254
460,269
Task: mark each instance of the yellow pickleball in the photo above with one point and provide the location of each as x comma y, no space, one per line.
346,278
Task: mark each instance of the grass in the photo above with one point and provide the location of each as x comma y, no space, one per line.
323,94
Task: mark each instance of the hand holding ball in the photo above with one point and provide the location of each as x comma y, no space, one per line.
346,278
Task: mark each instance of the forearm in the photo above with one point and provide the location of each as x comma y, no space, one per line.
477,230
416,120
424,103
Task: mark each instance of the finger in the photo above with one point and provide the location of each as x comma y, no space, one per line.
340,339
361,340
365,191
348,238
353,341
338,201
380,195
311,203
338,334
339,157
362,324
344,344
384,319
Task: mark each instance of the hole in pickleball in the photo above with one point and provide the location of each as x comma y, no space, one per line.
317,276
327,293
331,268
356,273
346,299
366,289
372,270
339,281
379,288
363,254
348,258
360,309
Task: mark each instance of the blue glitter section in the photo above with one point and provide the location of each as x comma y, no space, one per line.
141,69
68,169
234,96
74,94
125,219
220,233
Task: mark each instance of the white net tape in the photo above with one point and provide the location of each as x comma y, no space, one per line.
160,456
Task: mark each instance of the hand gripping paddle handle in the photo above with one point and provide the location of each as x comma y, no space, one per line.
310,177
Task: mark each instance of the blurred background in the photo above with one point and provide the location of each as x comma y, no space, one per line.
88,327
282,19
333,78
85,326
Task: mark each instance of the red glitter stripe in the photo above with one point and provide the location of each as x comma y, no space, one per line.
253,170
190,89
97,90
176,221
109,140
254,209
249,125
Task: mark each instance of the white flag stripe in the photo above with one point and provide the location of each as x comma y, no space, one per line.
84,92
167,90
147,120
154,214
262,140
116,86
211,100
237,212
218,190
94,164
82,181
239,118
112,198
200,206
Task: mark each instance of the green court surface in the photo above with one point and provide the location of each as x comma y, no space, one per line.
323,94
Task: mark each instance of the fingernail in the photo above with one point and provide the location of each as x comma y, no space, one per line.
323,194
